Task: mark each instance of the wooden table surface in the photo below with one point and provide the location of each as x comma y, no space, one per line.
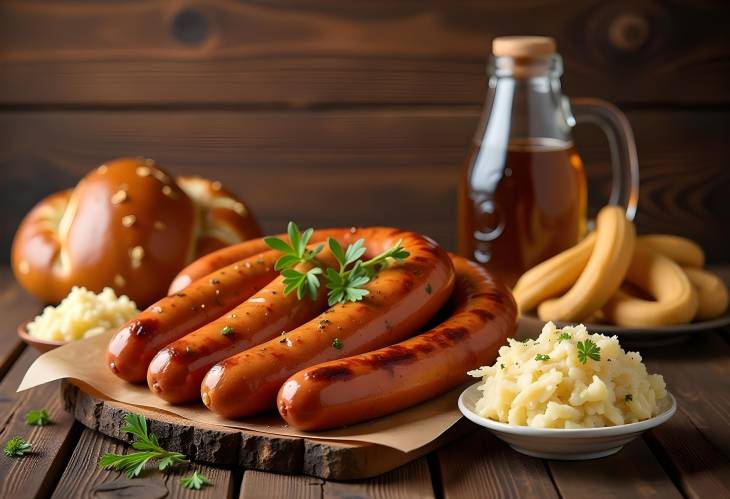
688,456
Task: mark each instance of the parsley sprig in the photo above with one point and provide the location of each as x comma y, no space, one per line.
16,447
195,481
344,283
588,350
149,448
37,417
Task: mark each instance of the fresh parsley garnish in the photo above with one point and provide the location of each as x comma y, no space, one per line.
542,356
195,481
628,397
564,336
147,445
37,417
226,330
337,343
344,283
588,350
16,447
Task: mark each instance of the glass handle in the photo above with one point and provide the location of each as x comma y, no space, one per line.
624,160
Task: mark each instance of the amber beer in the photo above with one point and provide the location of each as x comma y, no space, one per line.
531,206
522,196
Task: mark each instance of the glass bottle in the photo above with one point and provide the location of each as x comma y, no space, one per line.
523,193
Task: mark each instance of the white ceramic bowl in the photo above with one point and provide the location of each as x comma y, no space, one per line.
557,443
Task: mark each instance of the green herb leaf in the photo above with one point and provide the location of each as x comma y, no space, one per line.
564,336
337,343
337,252
37,417
542,356
588,350
278,245
227,331
16,447
195,481
355,251
148,446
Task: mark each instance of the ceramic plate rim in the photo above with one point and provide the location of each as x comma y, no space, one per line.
563,432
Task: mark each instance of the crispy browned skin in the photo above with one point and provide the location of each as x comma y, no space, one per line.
176,371
403,297
136,343
373,384
232,254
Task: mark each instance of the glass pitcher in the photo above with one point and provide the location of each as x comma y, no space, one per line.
522,195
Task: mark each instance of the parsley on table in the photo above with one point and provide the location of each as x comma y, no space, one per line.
37,417
195,481
148,449
588,350
16,447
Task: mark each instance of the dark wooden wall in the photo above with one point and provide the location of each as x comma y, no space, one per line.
352,112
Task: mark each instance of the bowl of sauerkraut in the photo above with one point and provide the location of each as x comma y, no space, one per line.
568,394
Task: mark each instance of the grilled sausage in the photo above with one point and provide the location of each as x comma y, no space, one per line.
176,371
132,348
403,297
373,384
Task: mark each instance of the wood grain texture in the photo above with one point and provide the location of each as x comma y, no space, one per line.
287,53
82,477
411,481
35,474
478,465
694,464
16,307
249,449
358,167
697,373
262,485
632,473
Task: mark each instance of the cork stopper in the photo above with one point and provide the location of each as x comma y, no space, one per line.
523,46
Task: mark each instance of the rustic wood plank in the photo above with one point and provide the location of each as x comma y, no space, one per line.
262,485
402,164
33,475
285,53
83,477
15,307
410,481
479,465
632,473
697,373
699,469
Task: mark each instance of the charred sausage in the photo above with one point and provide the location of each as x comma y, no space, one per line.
347,391
403,297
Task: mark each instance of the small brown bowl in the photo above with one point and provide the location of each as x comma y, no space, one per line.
42,346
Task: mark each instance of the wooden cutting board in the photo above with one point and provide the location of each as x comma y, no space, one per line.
328,459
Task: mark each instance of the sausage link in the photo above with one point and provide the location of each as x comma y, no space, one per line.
136,343
177,370
232,254
403,297
373,384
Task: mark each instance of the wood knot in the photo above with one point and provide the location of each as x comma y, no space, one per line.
629,32
190,26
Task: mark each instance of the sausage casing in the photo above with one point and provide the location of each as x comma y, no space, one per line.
380,382
403,297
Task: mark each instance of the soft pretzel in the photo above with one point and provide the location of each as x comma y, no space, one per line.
659,276
685,252
712,293
553,276
603,273
125,221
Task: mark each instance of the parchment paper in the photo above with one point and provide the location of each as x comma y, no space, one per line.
84,361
